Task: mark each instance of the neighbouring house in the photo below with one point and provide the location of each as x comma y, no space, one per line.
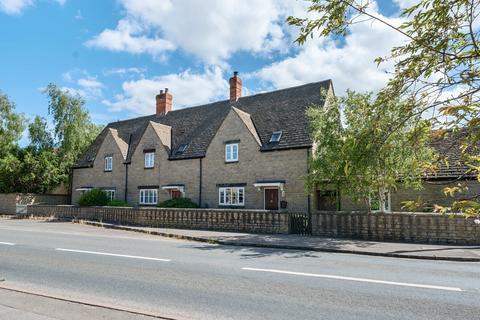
245,152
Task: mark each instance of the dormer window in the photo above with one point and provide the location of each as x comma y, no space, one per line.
231,152
149,159
276,136
181,148
108,163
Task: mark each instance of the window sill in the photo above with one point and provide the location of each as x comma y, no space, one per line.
234,161
147,204
231,207
107,170
148,168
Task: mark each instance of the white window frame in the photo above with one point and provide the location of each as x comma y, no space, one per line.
110,193
388,207
149,159
229,152
108,163
83,190
148,196
228,195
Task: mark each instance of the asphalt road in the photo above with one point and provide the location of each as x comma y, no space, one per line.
188,280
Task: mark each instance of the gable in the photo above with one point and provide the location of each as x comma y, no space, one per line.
234,130
153,135
111,144
247,121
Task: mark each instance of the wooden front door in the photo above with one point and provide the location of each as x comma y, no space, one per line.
271,199
176,194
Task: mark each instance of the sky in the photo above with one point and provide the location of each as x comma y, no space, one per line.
117,54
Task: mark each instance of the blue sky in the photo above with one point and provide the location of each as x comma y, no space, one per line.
118,54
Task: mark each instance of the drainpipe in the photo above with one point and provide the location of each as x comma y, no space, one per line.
126,182
309,209
126,169
200,185
71,185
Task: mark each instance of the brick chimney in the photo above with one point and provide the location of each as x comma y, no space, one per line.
164,102
235,87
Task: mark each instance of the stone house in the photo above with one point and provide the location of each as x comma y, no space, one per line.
245,152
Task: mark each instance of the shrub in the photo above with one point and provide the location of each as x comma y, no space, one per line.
178,203
94,197
118,203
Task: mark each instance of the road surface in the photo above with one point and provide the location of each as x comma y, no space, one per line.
187,280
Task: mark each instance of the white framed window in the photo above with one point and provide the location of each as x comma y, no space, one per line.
231,152
148,196
84,189
149,159
376,205
110,193
234,196
108,163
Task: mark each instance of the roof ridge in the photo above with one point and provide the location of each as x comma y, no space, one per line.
223,101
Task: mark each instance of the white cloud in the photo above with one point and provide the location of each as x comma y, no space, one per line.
127,37
212,31
349,64
404,4
15,7
82,83
187,88
125,71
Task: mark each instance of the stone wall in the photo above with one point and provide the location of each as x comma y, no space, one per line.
9,201
406,227
252,221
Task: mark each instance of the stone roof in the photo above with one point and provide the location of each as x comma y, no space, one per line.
281,110
451,163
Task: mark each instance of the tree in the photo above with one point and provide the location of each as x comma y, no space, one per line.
45,163
73,128
11,125
351,151
40,137
438,65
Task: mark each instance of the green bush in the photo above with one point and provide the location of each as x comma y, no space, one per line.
94,197
178,203
118,203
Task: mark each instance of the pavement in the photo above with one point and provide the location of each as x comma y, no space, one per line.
310,243
123,271
20,305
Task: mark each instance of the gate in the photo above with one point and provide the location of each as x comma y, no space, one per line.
299,223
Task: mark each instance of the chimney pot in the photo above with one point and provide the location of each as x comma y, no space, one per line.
235,87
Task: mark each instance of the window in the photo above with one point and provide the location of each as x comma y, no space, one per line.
108,163
84,189
110,193
231,196
181,148
276,136
148,196
376,205
149,159
231,152
327,200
